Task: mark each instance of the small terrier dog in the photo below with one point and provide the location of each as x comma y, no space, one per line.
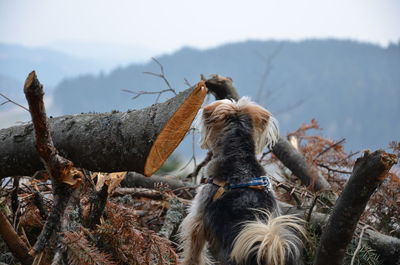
235,219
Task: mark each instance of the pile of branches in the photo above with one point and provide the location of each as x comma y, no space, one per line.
140,218
68,215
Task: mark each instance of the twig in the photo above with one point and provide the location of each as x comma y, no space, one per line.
347,157
334,170
142,92
358,245
329,148
158,93
161,75
12,101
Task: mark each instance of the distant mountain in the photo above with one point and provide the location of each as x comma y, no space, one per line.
110,54
351,88
17,61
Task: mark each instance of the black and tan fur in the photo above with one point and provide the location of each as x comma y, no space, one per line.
244,225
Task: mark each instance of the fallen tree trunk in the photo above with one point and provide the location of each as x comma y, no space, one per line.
107,142
369,172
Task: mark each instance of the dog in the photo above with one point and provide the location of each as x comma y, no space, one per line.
235,219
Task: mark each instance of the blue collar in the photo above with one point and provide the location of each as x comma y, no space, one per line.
259,183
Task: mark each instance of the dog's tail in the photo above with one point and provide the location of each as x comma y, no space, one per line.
271,240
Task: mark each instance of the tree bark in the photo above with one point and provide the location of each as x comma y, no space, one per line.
368,173
106,142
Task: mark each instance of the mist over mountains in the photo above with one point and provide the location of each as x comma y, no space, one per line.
351,88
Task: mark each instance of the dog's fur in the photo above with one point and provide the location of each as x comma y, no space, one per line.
244,225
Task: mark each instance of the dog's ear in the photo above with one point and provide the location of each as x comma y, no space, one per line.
213,120
265,126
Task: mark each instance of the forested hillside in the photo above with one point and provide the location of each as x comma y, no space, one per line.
351,88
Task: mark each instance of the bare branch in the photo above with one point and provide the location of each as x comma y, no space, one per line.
329,148
161,75
8,100
158,93
334,170
142,92
65,177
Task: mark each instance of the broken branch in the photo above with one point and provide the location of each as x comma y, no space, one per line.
368,173
63,174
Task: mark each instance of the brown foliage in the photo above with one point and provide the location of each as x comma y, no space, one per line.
134,244
127,230
80,251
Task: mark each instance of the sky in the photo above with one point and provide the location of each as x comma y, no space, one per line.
167,25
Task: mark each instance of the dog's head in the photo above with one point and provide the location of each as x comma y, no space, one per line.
216,115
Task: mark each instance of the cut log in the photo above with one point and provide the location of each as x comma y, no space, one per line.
137,140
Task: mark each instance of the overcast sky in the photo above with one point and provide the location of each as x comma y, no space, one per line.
166,25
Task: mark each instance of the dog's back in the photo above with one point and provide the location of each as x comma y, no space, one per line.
242,225
224,217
